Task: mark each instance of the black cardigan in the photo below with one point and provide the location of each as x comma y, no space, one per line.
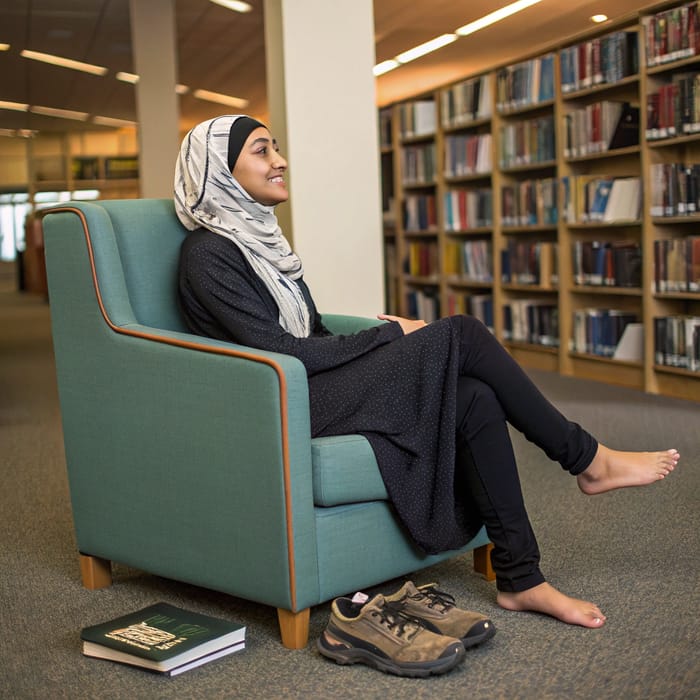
399,391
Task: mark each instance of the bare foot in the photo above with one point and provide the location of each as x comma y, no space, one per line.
548,600
611,469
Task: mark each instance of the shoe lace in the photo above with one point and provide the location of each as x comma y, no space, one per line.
436,598
397,621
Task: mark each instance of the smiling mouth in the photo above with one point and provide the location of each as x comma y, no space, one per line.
277,180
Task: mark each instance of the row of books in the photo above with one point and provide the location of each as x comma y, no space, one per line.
420,213
677,264
468,154
533,263
87,168
674,109
478,305
527,141
607,263
468,209
599,331
600,127
599,61
418,164
465,102
530,203
677,341
386,124
675,189
672,34
601,198
421,259
525,83
534,321
424,304
470,260
417,118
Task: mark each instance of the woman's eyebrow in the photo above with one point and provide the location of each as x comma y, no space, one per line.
264,139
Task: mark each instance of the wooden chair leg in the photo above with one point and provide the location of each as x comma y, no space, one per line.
482,562
294,627
95,572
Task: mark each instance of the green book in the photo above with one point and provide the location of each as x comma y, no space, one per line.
163,638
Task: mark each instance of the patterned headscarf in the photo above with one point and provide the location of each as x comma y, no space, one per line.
207,195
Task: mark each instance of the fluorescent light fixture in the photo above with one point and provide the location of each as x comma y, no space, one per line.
427,47
385,67
61,113
4,47
63,62
235,5
599,18
227,100
133,79
111,121
495,16
15,106
127,77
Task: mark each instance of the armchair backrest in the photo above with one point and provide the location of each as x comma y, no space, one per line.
148,235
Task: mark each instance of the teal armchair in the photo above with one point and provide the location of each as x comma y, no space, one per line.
191,458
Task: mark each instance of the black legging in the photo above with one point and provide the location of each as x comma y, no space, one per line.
493,389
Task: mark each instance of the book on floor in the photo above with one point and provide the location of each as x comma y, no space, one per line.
163,638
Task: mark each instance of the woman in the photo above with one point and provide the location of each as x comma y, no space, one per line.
433,399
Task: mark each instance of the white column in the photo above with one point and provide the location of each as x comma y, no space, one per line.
321,95
155,61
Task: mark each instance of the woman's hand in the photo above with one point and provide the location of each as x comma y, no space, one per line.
408,325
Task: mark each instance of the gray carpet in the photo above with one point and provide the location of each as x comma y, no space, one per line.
634,552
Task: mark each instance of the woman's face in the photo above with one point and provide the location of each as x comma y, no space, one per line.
260,169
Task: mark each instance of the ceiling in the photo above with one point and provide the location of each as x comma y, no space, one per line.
217,48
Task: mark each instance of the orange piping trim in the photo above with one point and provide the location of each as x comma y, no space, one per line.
217,351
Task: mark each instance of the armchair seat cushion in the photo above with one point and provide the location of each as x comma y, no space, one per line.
345,471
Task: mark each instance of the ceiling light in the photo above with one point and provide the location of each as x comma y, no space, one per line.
495,16
127,77
385,67
133,79
63,62
228,100
15,106
599,18
235,5
61,113
111,121
4,47
427,47
23,133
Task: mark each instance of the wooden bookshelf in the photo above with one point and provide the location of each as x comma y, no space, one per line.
558,205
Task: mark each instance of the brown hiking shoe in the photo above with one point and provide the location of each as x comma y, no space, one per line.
381,635
438,612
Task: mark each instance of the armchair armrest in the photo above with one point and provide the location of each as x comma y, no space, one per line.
340,324
218,485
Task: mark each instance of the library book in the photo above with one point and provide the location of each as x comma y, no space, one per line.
164,639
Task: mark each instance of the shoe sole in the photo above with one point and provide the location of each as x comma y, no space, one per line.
353,655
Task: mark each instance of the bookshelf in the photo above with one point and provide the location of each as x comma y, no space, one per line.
558,199
65,163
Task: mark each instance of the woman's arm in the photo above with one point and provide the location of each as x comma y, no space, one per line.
222,297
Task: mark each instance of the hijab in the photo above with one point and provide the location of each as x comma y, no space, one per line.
207,195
